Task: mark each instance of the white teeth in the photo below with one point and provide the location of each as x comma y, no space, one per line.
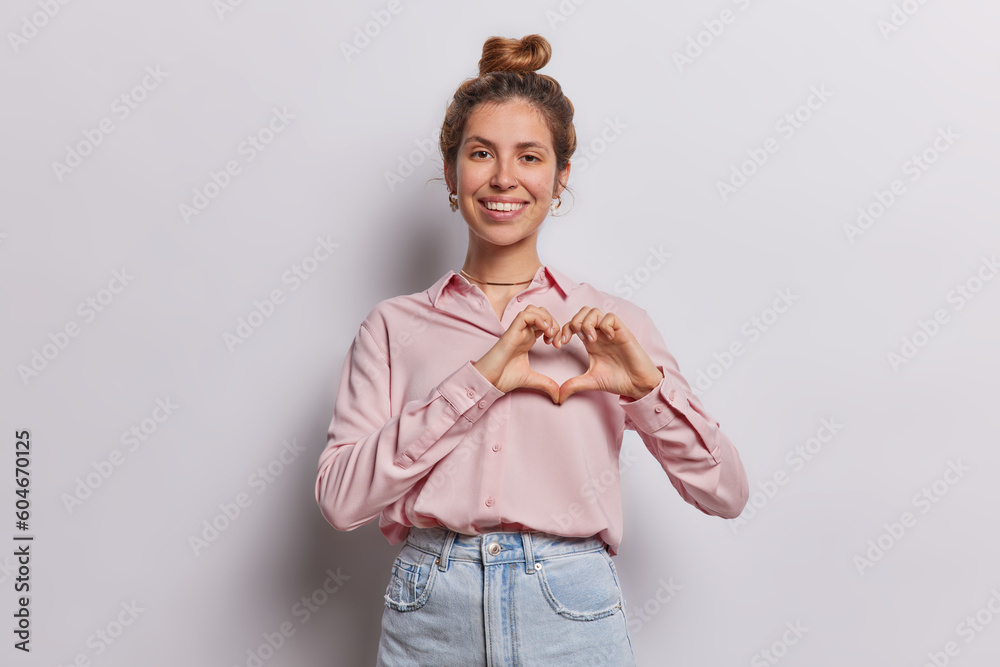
502,206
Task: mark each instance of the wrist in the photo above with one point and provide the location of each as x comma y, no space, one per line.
644,389
639,394
486,371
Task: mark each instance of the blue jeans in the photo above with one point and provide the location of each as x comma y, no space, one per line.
510,599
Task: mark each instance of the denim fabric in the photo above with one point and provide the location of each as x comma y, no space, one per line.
510,599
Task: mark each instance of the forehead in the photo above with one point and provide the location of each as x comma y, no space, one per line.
508,122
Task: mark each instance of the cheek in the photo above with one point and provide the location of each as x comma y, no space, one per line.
470,180
541,189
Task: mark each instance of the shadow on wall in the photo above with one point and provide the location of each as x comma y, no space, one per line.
351,619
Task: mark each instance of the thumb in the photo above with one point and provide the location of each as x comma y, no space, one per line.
542,383
584,382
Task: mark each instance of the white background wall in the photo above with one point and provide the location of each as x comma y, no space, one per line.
794,558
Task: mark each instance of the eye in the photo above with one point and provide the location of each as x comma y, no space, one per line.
481,153
534,158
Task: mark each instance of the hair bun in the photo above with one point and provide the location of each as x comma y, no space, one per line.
504,54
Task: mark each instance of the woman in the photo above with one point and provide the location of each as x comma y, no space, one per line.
493,457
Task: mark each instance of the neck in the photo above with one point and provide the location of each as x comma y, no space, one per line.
502,264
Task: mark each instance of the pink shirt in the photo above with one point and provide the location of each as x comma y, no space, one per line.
420,438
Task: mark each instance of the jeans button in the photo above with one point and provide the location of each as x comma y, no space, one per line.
493,548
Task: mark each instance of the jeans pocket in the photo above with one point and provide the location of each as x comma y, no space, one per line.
413,575
581,587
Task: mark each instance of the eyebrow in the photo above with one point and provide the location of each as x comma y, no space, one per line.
520,145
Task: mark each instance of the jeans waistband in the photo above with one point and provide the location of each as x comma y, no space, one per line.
497,548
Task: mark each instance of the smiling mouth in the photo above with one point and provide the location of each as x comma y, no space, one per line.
503,206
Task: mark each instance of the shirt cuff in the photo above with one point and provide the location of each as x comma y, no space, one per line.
657,408
469,392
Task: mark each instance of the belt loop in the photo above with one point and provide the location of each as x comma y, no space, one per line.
529,556
446,550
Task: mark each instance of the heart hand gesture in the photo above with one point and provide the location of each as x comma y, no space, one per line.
618,364
506,363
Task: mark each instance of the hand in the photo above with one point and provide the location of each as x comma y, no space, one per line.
618,364
506,363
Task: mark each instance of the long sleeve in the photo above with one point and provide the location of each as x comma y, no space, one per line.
699,459
374,457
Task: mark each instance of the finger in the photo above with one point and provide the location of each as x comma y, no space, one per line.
552,331
536,321
542,319
543,384
576,384
590,322
609,324
565,334
575,324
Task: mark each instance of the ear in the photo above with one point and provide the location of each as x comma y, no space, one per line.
449,178
562,179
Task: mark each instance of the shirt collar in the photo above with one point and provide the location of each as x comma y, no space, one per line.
453,281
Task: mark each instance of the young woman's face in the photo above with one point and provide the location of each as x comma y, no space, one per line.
506,161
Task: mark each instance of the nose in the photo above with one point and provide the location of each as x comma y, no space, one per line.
503,178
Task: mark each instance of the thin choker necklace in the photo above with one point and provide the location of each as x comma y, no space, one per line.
523,282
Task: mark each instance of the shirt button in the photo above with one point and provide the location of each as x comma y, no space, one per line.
482,405
489,501
496,446
658,408
493,548
673,392
469,392
520,297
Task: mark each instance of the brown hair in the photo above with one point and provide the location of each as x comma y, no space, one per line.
507,72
